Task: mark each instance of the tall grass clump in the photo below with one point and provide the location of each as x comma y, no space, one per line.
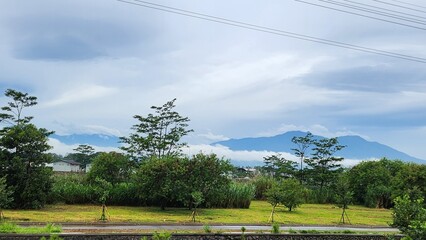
7,227
237,195
71,189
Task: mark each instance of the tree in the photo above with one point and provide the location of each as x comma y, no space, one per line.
157,135
112,167
274,196
324,166
162,181
84,154
206,173
197,199
5,197
302,145
279,166
23,156
288,192
373,182
13,111
409,216
292,192
343,196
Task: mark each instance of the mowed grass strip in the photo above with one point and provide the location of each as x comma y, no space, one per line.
258,213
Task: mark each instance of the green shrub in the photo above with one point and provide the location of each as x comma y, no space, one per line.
275,228
207,229
262,184
161,236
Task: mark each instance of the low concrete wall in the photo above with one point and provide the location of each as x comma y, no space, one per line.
204,237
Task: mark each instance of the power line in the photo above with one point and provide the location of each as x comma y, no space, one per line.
378,12
400,6
410,4
362,15
386,9
269,30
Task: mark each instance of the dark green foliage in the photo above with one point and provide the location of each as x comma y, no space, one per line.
5,196
161,181
206,173
157,135
409,216
112,167
372,181
170,181
23,155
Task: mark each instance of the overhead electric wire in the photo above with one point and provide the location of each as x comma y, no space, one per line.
410,4
378,12
385,9
362,15
400,6
239,24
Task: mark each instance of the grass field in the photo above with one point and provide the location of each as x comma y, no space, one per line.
307,214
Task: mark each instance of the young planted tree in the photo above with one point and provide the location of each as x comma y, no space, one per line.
157,135
343,196
274,196
23,156
197,199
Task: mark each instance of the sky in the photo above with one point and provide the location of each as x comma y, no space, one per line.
95,64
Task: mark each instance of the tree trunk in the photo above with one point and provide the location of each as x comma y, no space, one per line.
271,218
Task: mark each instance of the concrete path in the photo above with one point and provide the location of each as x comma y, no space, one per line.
133,227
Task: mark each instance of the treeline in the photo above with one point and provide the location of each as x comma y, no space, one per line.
114,179
325,180
152,171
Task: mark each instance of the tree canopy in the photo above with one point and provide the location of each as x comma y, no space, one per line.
157,135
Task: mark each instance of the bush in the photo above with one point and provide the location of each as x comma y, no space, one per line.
409,216
262,184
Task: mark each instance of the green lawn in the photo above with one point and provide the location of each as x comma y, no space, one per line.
258,213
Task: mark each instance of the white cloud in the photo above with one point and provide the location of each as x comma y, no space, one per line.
213,137
81,94
227,153
63,149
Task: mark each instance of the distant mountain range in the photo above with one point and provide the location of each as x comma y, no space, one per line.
356,147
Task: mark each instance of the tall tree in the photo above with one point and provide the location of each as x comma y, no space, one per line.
157,135
279,166
324,165
302,146
23,156
84,154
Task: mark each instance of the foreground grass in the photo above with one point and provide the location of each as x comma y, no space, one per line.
7,227
307,214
